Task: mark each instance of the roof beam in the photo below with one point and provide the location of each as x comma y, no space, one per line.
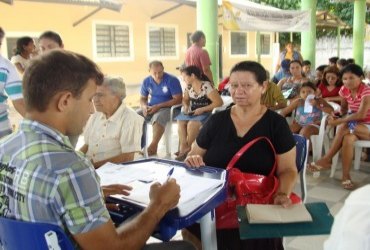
166,11
87,16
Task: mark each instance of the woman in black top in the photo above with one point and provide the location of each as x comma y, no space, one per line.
226,132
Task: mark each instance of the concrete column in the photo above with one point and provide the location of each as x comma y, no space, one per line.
308,38
359,31
338,42
258,46
207,21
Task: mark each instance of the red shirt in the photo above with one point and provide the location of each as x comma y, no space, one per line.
326,93
354,103
222,84
197,56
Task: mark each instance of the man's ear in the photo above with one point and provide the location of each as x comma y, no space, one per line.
64,101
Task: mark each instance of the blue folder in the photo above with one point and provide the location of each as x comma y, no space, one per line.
172,221
321,223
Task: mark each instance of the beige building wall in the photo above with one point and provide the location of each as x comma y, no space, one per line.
32,18
229,60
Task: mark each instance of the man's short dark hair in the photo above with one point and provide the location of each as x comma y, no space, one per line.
52,36
155,63
54,72
333,59
321,67
196,36
342,62
306,63
2,32
350,61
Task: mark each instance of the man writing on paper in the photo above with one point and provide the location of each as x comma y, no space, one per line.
43,179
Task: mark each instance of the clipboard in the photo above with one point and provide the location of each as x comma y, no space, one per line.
322,221
173,220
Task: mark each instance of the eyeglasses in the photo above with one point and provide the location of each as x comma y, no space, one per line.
243,85
99,95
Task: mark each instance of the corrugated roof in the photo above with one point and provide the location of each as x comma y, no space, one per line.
325,19
115,5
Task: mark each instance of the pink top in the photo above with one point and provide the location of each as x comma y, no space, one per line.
354,103
197,56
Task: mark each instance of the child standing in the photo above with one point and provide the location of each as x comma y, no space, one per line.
305,122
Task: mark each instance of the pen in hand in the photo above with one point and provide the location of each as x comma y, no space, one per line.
170,173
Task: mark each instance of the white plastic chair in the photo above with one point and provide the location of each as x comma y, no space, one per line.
324,136
168,130
358,149
357,157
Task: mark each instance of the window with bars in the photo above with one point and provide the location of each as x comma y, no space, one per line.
162,41
238,43
265,44
112,41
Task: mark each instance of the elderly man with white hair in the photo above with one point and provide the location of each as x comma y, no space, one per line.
113,133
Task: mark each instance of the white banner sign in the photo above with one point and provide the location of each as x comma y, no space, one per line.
239,16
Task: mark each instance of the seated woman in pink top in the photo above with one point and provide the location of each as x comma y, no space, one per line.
355,126
330,85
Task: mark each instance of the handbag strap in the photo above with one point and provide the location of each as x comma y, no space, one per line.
246,147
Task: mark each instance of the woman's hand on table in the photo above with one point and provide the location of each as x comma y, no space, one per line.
115,189
282,199
194,161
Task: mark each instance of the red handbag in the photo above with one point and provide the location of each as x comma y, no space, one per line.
244,188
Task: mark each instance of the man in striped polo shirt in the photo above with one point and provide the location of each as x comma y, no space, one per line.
197,56
43,179
10,86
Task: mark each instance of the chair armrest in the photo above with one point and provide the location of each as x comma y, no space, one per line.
177,106
335,106
218,109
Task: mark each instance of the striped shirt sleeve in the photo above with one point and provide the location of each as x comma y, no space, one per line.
13,84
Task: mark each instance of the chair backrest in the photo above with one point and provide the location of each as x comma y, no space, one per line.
15,235
144,140
302,145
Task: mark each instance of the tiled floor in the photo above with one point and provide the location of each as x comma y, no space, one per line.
322,188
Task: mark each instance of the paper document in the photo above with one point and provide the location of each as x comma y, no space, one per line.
307,104
142,175
257,213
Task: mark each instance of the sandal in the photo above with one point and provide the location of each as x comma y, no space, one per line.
313,167
348,184
182,157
